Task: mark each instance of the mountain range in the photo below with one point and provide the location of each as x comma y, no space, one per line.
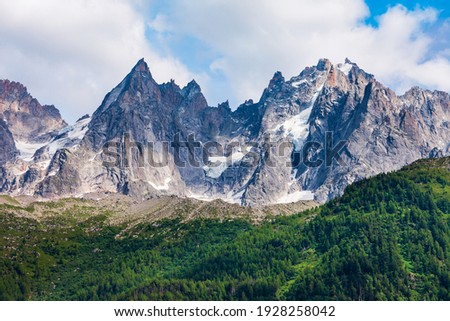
306,138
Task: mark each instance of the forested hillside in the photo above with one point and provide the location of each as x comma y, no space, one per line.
387,238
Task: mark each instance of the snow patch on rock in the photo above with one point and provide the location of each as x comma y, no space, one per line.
296,197
218,164
69,136
164,186
297,83
27,150
345,68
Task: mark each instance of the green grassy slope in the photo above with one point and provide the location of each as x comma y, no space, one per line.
387,238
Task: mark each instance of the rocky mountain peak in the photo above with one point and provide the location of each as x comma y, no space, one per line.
324,65
276,80
85,116
191,89
140,77
171,85
136,86
26,118
10,90
224,106
416,93
141,66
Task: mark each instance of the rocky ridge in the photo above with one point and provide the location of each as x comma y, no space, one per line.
307,137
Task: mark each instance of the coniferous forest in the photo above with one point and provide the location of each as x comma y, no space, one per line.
386,238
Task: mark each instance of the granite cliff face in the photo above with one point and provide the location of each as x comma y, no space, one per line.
382,131
307,137
25,126
8,149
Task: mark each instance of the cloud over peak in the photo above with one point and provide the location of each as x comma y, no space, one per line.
250,40
71,53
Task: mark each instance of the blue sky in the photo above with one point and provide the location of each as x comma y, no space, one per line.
72,53
378,7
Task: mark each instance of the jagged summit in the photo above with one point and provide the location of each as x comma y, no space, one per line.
141,71
324,64
140,77
10,88
191,88
27,119
276,80
224,105
138,83
141,65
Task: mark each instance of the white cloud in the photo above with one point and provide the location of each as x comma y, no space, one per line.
252,39
71,53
